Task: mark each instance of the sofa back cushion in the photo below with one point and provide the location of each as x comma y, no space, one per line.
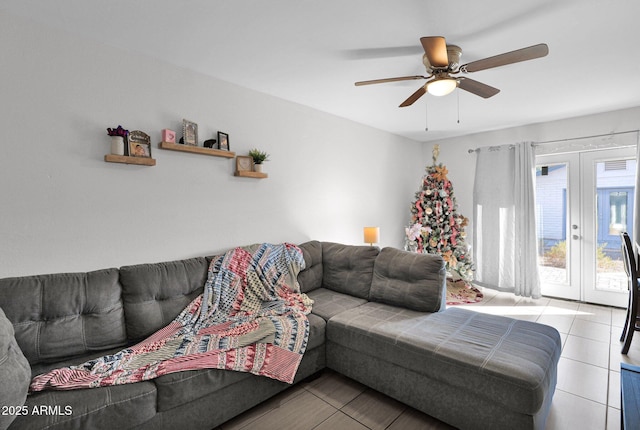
311,277
410,280
348,269
154,294
64,315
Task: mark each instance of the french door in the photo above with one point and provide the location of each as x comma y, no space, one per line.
584,200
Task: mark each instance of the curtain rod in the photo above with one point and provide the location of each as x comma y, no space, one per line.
587,137
574,138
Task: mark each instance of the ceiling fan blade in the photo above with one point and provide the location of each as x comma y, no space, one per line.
524,54
415,96
477,88
436,49
381,81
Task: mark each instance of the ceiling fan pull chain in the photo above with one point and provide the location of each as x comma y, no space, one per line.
458,95
426,117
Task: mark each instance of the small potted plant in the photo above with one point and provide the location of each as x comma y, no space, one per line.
118,136
259,157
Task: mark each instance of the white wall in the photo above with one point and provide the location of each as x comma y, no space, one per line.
461,164
64,209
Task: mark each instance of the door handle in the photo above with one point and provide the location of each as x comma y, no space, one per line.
575,237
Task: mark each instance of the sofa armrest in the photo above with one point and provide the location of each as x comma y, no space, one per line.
410,280
15,373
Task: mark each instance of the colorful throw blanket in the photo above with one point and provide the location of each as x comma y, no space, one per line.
251,317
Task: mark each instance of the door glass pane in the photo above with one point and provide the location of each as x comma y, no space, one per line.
551,220
615,181
618,212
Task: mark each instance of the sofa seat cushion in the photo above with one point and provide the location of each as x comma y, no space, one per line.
40,368
176,389
116,407
327,303
511,362
317,331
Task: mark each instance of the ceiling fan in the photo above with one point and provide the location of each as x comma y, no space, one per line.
442,63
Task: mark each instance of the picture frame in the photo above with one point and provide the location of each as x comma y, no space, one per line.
168,136
223,141
139,144
244,163
189,132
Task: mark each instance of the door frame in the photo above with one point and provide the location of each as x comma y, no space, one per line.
571,288
581,226
590,291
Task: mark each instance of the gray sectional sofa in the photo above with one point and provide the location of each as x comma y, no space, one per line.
379,317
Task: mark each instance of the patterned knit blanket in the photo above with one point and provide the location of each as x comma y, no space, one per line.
251,317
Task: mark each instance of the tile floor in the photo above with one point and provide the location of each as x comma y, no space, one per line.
587,394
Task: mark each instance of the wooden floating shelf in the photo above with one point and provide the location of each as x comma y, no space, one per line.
124,159
247,174
197,149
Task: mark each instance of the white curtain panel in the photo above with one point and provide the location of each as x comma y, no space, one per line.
504,220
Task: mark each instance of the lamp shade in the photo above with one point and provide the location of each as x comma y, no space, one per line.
371,235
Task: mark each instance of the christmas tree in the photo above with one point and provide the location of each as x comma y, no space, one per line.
437,227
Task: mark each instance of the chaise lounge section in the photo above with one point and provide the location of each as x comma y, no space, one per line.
379,317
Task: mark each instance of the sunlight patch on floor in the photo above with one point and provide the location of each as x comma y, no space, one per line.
526,310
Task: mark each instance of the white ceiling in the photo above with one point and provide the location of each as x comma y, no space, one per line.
312,52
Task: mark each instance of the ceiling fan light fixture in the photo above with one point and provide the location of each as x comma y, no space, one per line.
441,86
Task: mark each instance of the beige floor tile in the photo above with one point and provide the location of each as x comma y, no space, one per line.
618,316
599,314
613,419
374,410
562,304
571,412
562,323
563,338
412,419
616,332
503,299
340,421
584,380
541,302
591,330
278,401
617,358
614,389
304,411
532,318
335,389
587,351
632,357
